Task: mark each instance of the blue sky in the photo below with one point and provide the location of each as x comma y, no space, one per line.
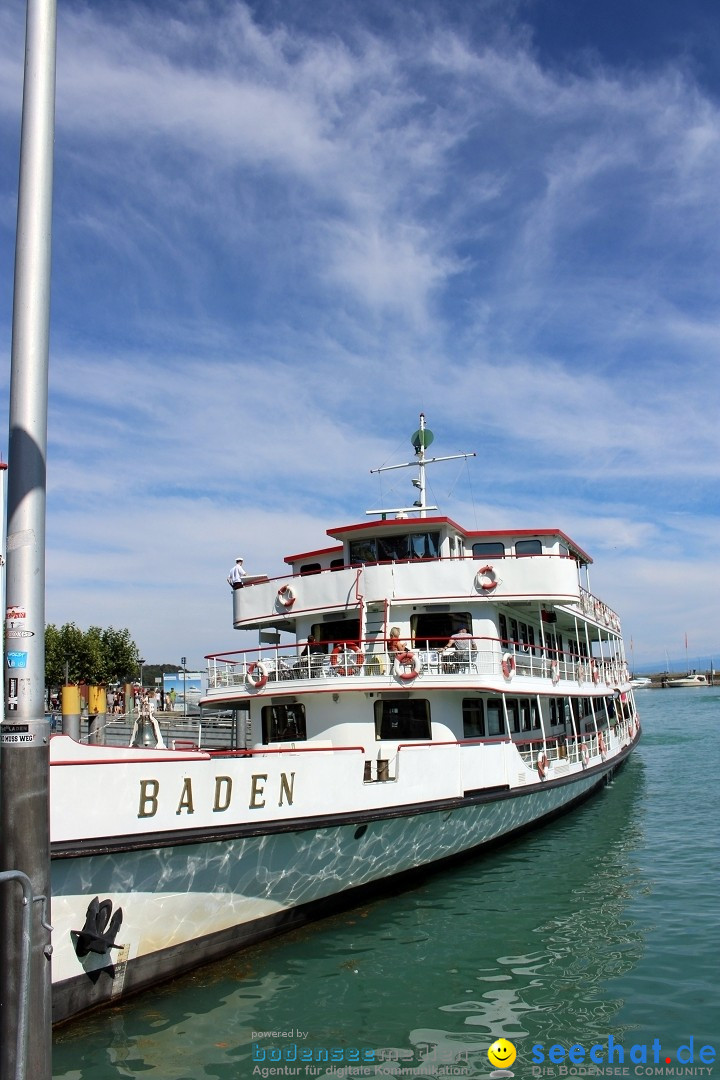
281,230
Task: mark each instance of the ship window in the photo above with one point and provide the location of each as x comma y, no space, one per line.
402,719
557,711
283,723
495,718
528,547
434,630
489,549
529,713
502,623
395,548
337,564
310,568
473,718
336,631
513,713
363,551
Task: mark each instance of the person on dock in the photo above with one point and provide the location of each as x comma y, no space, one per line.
237,574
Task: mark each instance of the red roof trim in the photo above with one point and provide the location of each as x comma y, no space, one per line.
311,554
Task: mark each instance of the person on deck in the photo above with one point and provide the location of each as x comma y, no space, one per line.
237,574
395,645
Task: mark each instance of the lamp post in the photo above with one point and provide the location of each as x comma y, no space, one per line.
141,661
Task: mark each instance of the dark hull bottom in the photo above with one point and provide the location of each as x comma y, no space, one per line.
86,992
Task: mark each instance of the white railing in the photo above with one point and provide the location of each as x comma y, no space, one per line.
488,658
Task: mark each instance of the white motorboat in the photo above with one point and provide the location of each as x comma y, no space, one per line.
691,679
421,690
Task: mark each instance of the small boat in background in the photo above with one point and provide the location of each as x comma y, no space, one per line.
691,679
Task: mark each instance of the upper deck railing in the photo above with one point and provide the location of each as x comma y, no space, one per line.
353,662
542,577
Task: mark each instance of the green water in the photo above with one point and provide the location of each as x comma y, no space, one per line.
605,923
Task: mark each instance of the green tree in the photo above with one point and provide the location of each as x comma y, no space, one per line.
98,656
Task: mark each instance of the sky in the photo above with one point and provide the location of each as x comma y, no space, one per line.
283,229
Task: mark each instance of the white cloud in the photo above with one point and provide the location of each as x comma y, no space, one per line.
273,247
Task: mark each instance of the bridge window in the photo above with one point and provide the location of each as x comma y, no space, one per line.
528,547
310,568
489,549
402,719
283,723
395,548
337,564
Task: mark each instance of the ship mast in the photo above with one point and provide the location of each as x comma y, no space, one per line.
421,439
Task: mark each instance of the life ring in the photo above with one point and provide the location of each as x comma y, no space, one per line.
508,665
542,766
555,672
404,660
347,667
257,675
489,584
286,596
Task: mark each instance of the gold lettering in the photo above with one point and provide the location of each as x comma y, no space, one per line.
227,781
186,797
149,790
286,788
257,790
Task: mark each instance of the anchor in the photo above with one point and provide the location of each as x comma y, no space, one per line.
100,930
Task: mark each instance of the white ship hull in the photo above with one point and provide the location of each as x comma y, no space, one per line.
196,894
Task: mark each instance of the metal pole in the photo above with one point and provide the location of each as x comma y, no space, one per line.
25,734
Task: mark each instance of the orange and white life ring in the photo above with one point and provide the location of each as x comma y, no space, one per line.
257,675
486,579
286,596
407,666
345,664
555,672
508,665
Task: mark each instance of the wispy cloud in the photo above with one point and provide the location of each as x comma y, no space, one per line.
275,243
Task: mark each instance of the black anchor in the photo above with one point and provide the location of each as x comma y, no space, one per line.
100,930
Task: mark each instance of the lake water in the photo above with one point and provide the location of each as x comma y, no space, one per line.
599,929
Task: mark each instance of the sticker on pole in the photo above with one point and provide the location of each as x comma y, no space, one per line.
21,735
17,659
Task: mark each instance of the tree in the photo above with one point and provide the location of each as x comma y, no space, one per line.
97,657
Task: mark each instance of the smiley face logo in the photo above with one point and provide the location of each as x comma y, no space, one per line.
502,1053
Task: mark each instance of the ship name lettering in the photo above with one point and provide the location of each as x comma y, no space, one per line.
186,798
219,805
257,790
286,788
222,798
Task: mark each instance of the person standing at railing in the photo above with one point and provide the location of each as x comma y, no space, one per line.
238,573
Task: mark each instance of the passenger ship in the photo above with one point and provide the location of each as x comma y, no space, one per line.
419,690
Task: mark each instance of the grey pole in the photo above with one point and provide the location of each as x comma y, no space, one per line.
24,734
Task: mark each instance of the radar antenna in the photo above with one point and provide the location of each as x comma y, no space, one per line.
420,440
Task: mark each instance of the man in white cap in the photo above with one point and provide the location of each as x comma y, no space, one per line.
236,575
